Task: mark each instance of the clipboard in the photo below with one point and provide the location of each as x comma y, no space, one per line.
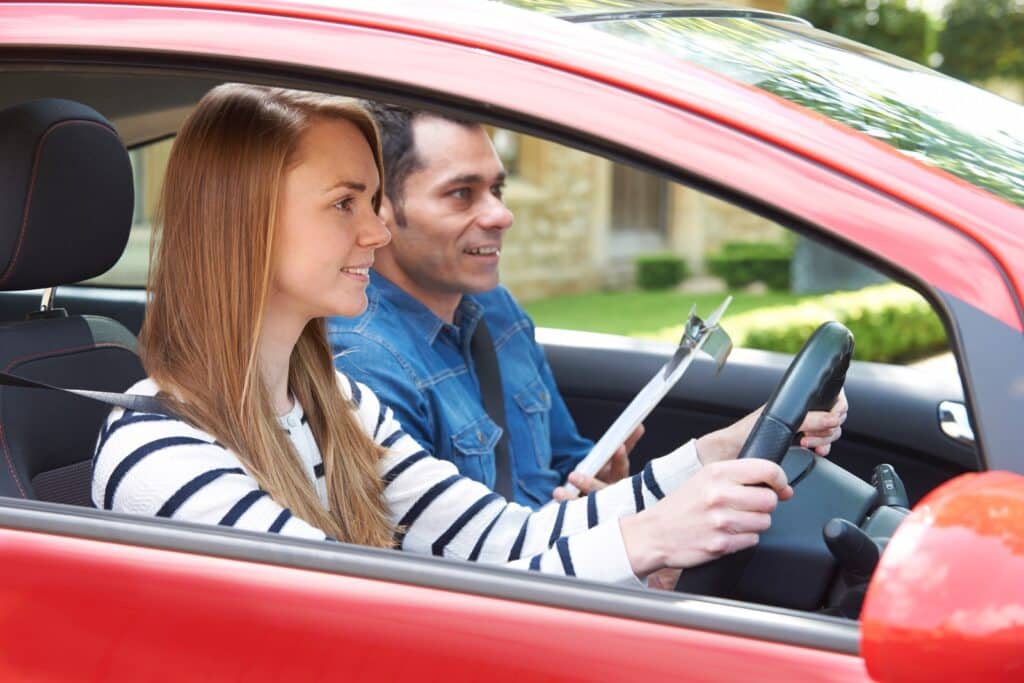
698,336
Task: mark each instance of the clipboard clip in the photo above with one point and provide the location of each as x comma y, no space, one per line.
703,335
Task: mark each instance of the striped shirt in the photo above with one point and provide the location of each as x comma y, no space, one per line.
149,464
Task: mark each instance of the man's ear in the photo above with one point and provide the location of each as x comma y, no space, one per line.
387,212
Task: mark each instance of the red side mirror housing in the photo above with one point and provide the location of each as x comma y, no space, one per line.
947,599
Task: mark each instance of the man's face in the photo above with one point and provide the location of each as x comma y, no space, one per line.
450,241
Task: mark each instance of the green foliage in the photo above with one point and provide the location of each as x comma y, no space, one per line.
655,314
890,323
983,39
660,271
885,24
741,263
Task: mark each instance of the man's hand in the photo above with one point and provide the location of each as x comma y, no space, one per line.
818,431
615,469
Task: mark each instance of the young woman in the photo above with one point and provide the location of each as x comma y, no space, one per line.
268,224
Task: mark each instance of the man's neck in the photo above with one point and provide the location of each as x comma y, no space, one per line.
441,304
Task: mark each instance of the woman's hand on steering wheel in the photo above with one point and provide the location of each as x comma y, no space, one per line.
818,431
720,510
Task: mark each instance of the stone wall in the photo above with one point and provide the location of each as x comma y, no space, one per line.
557,244
563,241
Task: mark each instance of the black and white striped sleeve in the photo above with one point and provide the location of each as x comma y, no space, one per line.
149,464
437,511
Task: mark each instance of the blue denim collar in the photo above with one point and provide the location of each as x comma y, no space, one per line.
422,320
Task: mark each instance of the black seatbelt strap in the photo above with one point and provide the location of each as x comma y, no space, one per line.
140,404
488,374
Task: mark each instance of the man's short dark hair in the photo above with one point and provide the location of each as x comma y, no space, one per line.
399,148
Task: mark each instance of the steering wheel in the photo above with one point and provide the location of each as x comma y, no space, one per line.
812,382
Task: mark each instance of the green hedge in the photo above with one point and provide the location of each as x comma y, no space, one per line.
742,263
660,271
890,323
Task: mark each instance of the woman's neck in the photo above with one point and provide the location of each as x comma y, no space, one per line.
278,336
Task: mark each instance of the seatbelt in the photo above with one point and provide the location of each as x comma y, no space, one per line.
485,359
140,404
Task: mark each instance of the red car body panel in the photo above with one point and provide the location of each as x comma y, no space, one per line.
119,610
853,212
929,617
151,615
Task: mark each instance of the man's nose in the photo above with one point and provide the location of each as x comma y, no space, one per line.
496,216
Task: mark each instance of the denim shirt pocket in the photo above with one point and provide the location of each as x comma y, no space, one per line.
473,449
535,403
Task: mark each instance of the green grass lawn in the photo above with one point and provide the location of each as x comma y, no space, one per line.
645,314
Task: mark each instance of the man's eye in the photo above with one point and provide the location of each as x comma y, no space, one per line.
498,191
460,193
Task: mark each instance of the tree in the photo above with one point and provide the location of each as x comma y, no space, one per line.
983,39
888,25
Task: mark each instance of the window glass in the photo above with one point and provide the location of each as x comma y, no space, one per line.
148,165
602,247
933,118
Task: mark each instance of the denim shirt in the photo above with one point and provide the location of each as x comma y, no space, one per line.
422,369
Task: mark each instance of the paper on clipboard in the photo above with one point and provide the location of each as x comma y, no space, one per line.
698,335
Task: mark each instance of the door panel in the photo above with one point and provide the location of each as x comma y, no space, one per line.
893,414
117,611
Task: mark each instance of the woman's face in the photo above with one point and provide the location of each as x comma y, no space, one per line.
327,229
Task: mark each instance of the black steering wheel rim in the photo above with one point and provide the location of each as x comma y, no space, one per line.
812,382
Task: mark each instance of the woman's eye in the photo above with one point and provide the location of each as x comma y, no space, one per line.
346,204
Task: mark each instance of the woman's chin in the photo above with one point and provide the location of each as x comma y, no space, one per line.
353,307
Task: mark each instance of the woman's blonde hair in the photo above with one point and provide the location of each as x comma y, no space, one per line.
209,277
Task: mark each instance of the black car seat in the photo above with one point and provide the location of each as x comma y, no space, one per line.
66,200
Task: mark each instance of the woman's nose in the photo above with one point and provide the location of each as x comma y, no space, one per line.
375,233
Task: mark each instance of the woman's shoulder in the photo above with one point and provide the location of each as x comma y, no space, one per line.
370,412
144,387
144,424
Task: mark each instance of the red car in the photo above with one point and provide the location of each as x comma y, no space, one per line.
917,175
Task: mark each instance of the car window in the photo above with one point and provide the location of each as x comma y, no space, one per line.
599,246
148,164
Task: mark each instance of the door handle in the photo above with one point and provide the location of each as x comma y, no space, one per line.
954,422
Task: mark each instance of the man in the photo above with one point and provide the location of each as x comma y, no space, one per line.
437,323
430,289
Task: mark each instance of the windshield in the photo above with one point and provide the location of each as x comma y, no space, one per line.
941,121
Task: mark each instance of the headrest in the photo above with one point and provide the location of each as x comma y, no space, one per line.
66,194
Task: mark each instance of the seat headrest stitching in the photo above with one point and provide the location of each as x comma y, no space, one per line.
11,267
60,352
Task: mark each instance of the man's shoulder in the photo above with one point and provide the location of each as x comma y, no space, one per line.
504,315
498,299
378,320
373,341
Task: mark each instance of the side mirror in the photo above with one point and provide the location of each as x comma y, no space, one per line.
947,599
